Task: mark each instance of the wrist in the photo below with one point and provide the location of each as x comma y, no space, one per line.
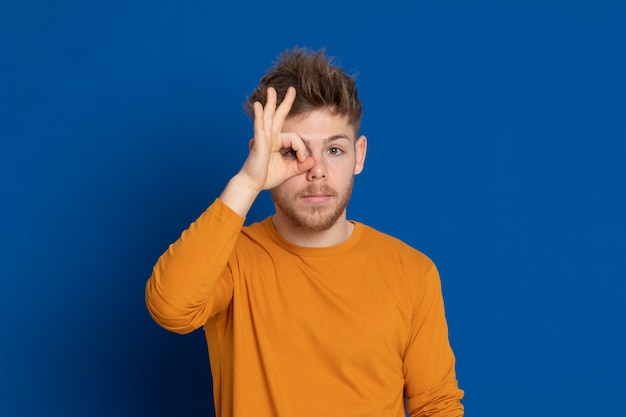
239,194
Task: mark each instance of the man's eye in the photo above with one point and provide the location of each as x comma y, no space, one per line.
334,151
290,153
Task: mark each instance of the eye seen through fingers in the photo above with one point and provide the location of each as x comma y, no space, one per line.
289,153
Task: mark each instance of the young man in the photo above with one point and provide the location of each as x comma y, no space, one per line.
307,313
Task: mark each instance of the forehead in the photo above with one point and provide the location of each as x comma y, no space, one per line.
320,125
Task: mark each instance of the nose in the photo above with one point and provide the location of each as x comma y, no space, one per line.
318,171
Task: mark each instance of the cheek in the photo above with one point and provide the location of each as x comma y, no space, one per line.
343,167
288,186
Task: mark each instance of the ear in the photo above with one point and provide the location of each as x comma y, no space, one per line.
251,144
361,150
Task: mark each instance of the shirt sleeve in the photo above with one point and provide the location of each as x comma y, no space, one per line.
431,387
191,281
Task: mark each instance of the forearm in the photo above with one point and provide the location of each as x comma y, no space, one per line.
184,289
442,401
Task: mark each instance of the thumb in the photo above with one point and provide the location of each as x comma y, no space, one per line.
304,166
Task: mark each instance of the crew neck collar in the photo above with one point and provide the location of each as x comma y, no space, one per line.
269,227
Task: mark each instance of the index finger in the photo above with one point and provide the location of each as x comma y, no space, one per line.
292,141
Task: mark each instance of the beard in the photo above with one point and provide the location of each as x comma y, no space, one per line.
313,218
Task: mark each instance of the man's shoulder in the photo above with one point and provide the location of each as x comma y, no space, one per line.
372,233
388,243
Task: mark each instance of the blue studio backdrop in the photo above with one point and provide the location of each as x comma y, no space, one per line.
496,135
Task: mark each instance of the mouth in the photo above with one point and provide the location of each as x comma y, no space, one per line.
317,198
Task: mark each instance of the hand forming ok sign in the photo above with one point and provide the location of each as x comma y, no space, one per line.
266,167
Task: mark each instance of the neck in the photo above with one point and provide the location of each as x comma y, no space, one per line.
336,234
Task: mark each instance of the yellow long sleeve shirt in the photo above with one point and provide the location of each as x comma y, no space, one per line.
350,330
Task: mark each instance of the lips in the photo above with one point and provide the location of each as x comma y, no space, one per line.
317,199
317,196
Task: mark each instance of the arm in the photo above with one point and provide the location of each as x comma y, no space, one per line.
191,280
431,386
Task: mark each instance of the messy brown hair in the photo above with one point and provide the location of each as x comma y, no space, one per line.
319,84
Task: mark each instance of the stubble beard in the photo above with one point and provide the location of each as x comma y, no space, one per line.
313,218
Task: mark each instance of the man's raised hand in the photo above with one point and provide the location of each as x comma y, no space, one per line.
266,166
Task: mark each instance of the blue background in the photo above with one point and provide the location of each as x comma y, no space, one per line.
496,146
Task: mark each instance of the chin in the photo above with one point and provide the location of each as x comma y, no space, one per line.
318,221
